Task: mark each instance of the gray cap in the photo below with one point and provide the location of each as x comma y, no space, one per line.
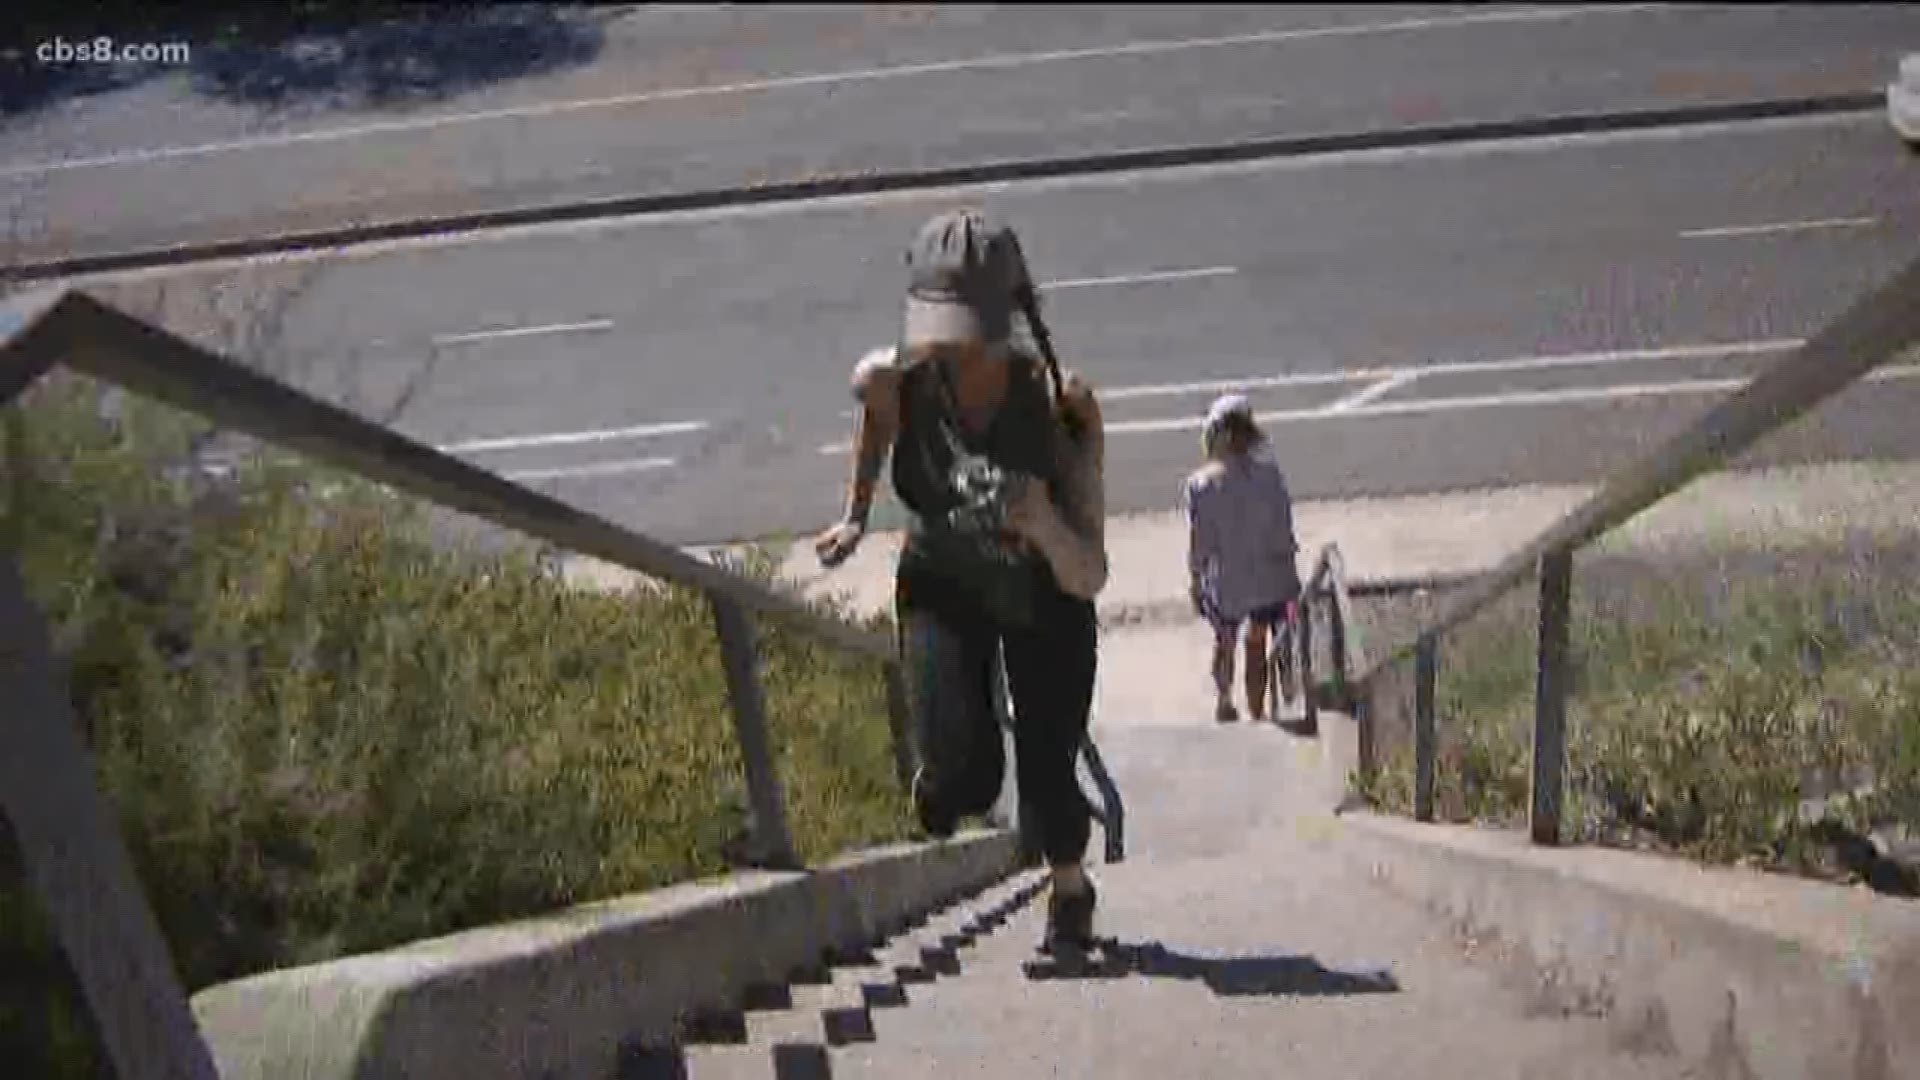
963,273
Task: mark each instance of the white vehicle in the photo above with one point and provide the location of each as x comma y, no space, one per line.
1903,101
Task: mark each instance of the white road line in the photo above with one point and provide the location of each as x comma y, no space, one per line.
1778,227
1511,399
599,468
1425,405
1139,279
1588,393
1386,379
1618,356
590,326
1372,393
574,438
992,62
1452,404
1223,386
1449,404
1519,363
1569,395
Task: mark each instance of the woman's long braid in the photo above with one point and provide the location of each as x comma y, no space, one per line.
1026,296
1029,300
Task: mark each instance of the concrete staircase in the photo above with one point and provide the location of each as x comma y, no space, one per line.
1247,945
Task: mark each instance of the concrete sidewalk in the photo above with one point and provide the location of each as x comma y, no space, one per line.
1437,536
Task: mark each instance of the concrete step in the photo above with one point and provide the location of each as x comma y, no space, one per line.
933,949
834,1012
787,1031
799,1025
789,1061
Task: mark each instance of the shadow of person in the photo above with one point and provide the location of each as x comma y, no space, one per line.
1297,727
391,55
1227,976
317,56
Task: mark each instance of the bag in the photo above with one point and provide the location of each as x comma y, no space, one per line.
997,580
965,550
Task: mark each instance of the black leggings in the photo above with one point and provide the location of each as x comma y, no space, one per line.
1050,669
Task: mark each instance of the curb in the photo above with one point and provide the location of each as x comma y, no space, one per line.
1168,611
1131,614
1734,972
949,176
577,992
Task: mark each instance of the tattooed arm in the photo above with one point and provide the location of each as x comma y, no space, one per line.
876,385
1069,526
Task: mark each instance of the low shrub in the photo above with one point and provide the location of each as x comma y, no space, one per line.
328,731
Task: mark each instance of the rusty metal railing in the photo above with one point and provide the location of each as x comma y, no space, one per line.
77,861
1876,329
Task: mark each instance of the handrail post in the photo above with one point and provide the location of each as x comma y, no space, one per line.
773,844
1310,708
78,865
1426,671
1365,720
1336,638
1550,697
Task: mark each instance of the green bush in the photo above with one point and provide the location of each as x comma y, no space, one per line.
1708,702
327,731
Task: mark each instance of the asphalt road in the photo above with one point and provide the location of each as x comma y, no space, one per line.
688,374
679,100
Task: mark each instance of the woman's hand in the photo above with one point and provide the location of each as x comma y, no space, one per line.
876,386
1031,515
837,543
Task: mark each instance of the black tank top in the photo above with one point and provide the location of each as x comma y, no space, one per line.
1019,438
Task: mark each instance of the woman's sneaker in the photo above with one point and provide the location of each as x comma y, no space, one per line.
1069,921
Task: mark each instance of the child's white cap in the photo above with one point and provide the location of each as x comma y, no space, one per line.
1227,405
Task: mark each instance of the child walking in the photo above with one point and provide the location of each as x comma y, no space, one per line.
1241,548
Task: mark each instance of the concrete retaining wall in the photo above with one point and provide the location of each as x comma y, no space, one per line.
563,996
1738,973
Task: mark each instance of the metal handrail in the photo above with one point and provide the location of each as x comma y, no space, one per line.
63,823
1869,333
1875,329
1332,571
1327,581
72,329
65,828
